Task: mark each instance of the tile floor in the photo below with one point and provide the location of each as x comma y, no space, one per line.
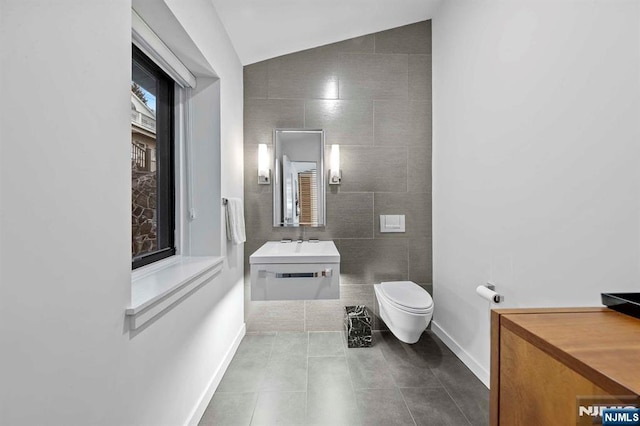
314,379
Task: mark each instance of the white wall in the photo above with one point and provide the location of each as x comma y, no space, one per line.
536,158
67,356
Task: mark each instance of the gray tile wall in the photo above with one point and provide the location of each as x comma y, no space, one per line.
372,95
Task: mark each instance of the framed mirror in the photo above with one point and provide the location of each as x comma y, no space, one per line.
298,178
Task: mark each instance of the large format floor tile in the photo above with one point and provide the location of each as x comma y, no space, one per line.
314,379
433,407
335,405
464,387
287,373
328,373
384,407
326,343
244,374
369,369
230,409
290,344
280,408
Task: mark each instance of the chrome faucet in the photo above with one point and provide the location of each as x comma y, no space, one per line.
301,237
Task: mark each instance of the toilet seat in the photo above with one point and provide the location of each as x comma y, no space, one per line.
407,296
405,307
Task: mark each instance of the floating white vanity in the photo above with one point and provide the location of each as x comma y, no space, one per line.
295,271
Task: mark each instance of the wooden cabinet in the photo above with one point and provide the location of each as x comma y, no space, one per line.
547,362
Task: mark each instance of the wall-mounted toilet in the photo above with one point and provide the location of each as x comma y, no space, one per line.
405,307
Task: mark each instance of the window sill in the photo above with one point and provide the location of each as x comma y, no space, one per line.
158,287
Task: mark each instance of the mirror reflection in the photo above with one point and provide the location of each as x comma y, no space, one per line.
298,192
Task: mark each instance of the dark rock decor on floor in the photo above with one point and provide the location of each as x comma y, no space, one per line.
357,322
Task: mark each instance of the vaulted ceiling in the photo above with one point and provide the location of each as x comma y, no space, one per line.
263,29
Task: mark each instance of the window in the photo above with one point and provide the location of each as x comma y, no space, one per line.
152,162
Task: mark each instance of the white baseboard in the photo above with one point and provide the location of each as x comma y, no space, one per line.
203,402
475,367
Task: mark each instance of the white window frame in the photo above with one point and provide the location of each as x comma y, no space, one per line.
152,46
158,286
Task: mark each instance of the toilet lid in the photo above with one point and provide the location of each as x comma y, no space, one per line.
407,294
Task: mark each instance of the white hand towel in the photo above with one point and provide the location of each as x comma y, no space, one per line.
235,221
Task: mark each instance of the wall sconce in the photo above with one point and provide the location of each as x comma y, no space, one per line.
264,173
335,174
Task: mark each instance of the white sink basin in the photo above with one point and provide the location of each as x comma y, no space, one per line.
306,252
